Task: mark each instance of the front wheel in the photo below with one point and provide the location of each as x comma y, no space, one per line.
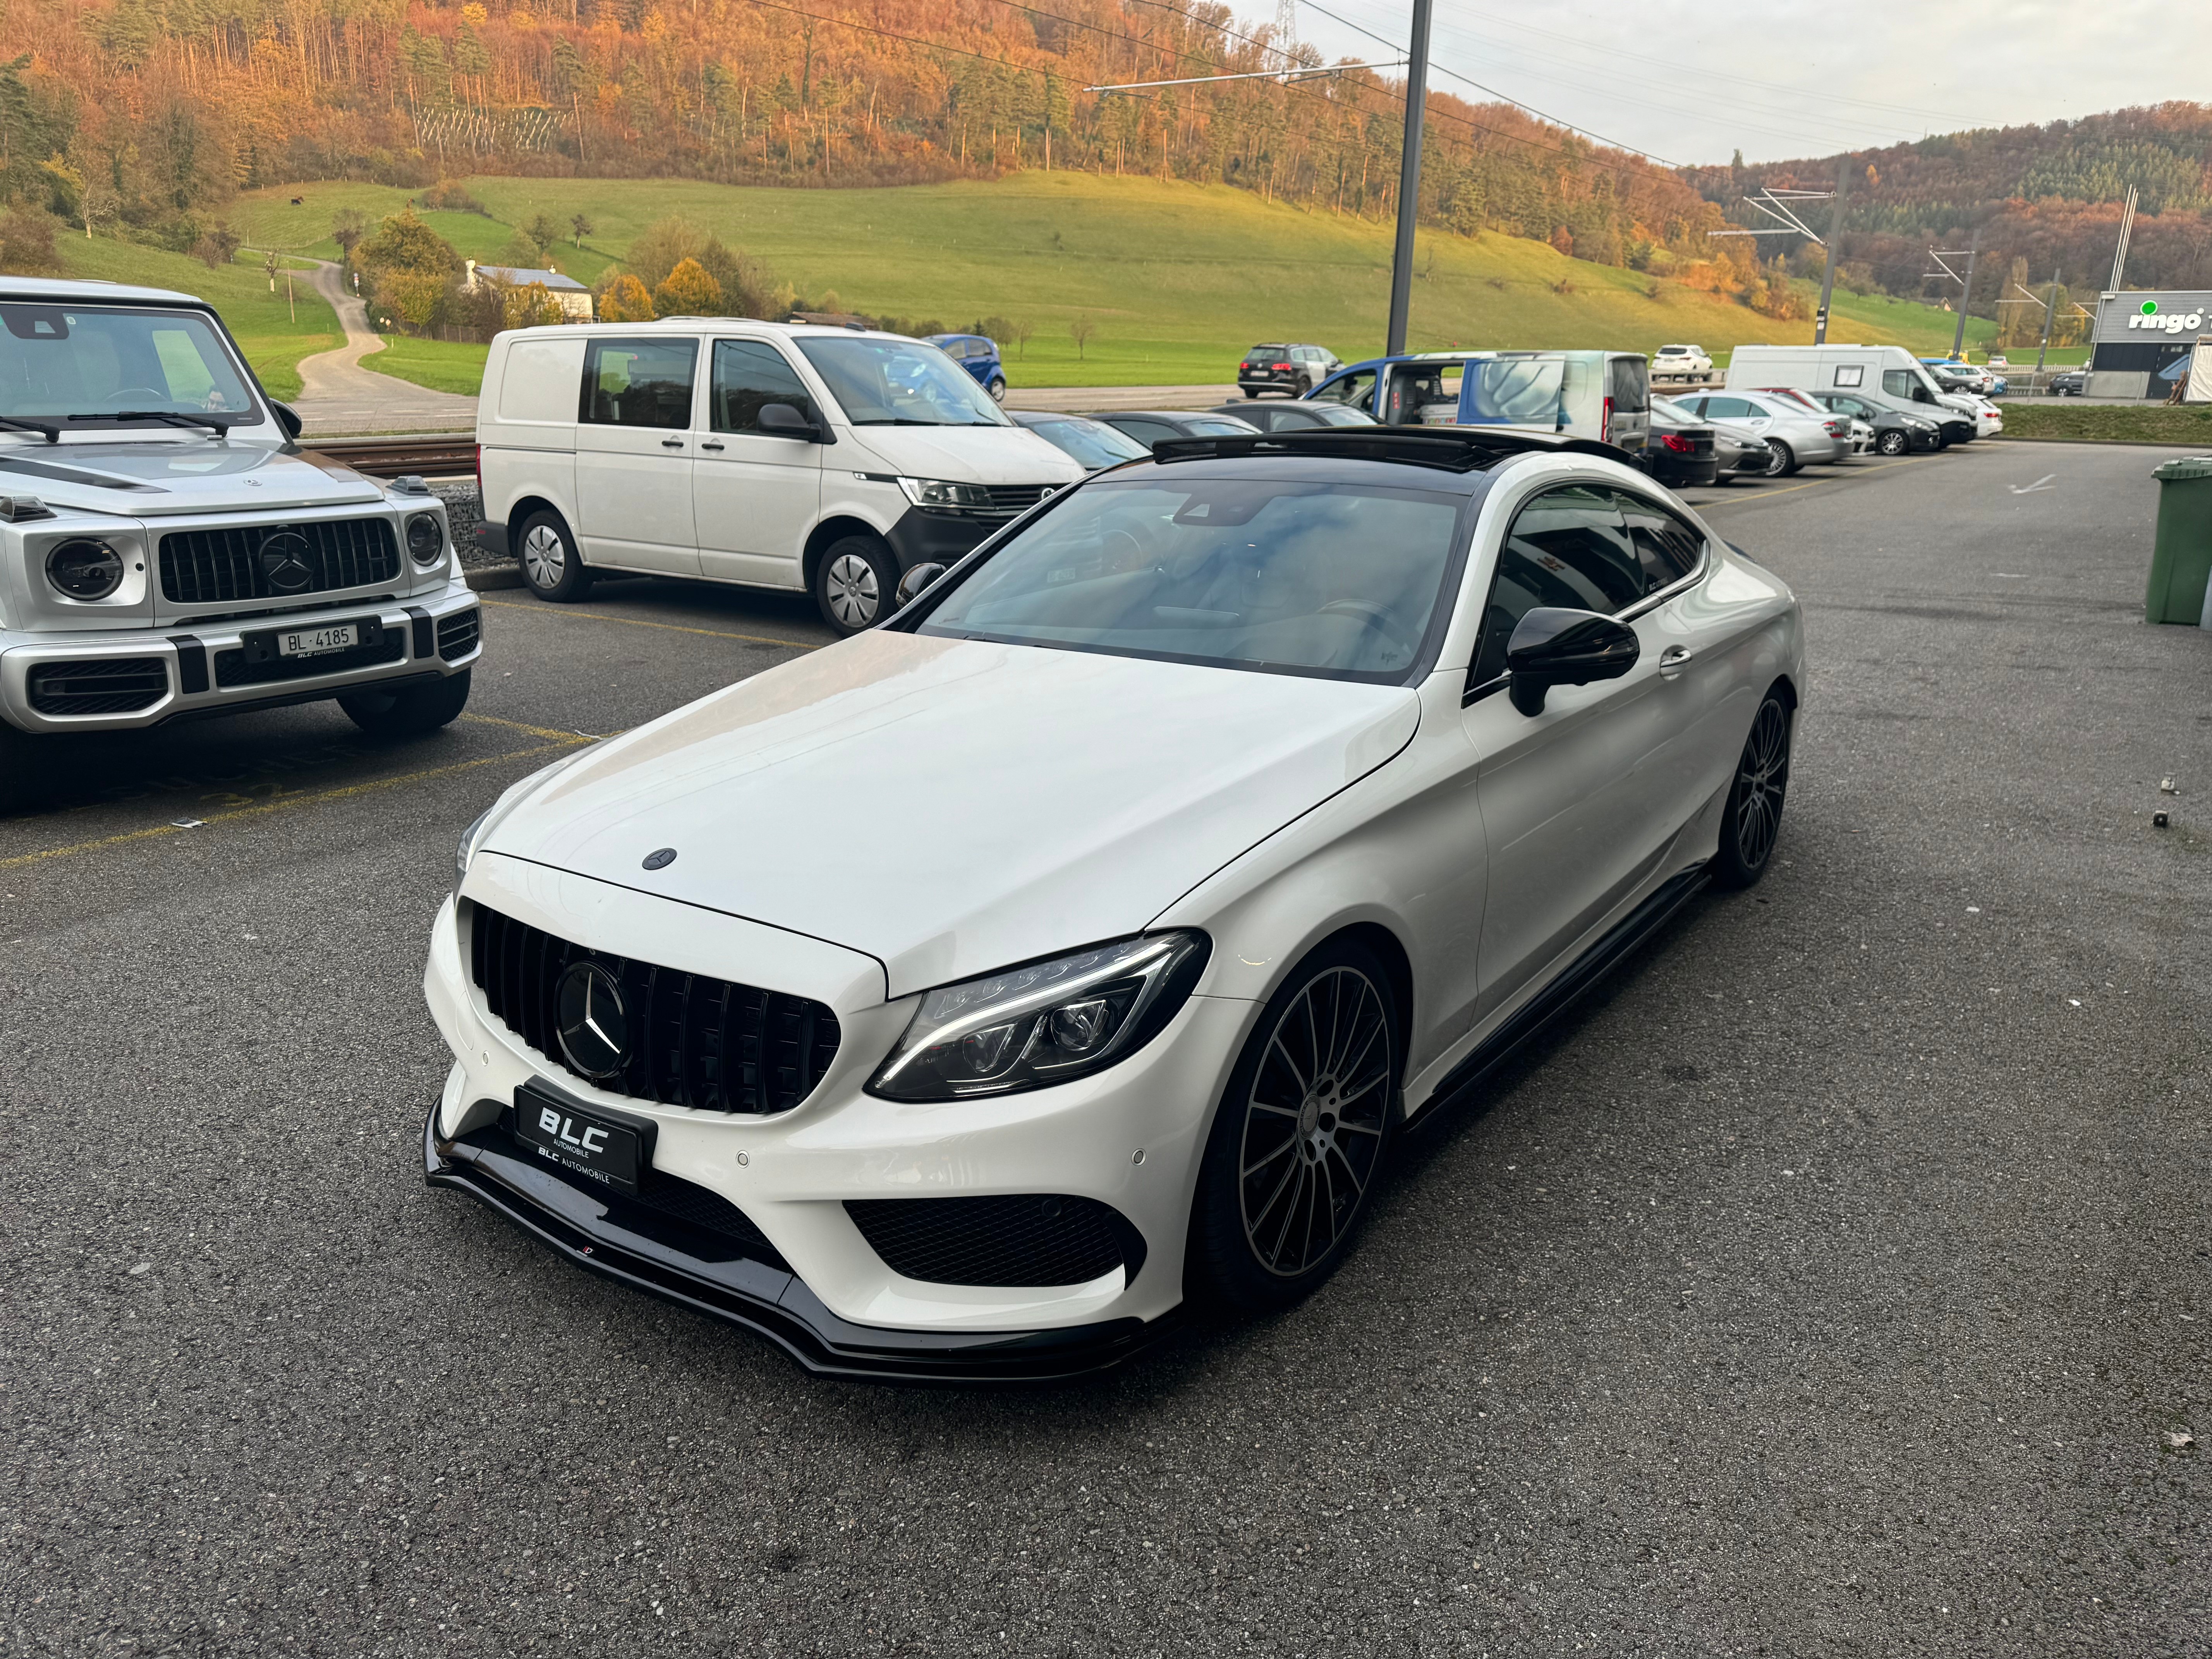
411,712
1304,1134
552,568
998,389
855,583
1751,823
1891,442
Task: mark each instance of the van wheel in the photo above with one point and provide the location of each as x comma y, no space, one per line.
998,391
855,583
411,712
552,568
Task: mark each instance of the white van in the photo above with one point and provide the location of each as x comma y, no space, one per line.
1604,396
804,458
1888,373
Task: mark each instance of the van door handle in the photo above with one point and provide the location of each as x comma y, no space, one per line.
1674,659
711,446
671,443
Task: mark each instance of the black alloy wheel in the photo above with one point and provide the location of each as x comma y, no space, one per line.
1751,823
552,568
411,712
1891,442
1304,1134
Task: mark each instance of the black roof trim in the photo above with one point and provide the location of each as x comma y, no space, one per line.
1459,449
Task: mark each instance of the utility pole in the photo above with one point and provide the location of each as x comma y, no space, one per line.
2120,249
1409,179
1965,293
1835,236
2050,311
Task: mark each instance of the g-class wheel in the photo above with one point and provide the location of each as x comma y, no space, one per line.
411,711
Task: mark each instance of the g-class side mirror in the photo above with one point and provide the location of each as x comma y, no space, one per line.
1553,646
784,421
911,585
289,418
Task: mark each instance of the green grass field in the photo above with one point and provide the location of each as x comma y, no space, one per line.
2111,424
1178,278
273,333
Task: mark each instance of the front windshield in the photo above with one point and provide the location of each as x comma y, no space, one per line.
1092,443
880,382
1330,580
85,363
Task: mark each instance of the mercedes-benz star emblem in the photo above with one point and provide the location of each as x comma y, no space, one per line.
594,1025
284,564
661,860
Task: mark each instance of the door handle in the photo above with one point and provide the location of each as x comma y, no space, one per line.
713,447
671,443
1674,659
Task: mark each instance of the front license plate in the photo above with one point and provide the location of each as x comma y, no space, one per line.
318,642
608,1152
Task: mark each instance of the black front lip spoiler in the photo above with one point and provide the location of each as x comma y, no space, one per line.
767,1301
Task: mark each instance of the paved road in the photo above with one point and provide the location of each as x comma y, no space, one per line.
339,396
1827,1287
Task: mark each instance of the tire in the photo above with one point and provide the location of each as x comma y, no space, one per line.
1894,442
1751,823
998,391
1261,1240
411,711
552,567
1248,390
855,583
1783,462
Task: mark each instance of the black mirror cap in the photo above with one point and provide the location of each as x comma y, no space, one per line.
783,421
1554,646
912,584
289,418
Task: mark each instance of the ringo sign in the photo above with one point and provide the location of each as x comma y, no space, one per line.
2149,316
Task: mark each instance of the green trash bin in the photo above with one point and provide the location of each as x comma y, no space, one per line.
2181,554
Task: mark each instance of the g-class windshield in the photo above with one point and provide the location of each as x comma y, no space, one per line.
87,364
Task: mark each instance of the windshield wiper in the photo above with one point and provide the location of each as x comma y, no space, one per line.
175,417
51,433
908,420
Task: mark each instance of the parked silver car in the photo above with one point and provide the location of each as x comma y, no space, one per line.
1796,437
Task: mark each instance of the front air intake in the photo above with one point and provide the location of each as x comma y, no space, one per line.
113,685
1031,1239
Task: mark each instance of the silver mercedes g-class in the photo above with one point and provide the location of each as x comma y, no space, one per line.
167,550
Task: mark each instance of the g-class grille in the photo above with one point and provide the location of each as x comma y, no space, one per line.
692,1040
119,685
277,561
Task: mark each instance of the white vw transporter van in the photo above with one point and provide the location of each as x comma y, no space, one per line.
805,458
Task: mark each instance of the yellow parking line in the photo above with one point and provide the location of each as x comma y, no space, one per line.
568,740
639,621
545,732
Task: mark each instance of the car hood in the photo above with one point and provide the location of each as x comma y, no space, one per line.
148,480
955,806
962,454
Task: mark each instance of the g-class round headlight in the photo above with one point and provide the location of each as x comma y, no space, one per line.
426,537
84,569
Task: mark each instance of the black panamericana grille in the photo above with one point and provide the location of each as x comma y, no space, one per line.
695,1042
458,634
1005,502
1026,1238
211,567
117,686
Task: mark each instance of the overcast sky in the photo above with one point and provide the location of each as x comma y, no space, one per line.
1689,81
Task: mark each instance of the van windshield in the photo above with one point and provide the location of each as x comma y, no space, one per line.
89,365
880,382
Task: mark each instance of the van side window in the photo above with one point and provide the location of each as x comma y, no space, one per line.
1667,549
644,382
1357,389
747,374
1568,548
1629,386
1902,383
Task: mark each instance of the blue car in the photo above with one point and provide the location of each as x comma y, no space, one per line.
979,354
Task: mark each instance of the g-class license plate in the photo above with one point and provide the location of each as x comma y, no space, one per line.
318,642
608,1152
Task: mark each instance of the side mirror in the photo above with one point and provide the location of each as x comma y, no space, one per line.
911,585
289,418
783,421
1553,646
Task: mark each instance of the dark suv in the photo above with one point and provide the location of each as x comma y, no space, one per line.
1293,370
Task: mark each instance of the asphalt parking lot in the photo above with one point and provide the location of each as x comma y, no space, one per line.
1835,1283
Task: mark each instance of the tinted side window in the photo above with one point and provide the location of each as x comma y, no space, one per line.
1630,385
1667,549
1567,548
747,374
639,382
1357,389
1729,408
1147,432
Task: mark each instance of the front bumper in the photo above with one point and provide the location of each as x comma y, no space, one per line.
189,656
921,537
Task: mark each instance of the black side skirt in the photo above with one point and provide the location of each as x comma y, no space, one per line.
764,1299
1638,925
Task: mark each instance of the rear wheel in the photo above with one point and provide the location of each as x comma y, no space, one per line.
1891,442
1781,459
1751,821
1304,1134
411,711
552,568
855,583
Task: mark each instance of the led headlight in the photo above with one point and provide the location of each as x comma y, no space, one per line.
934,492
426,537
1044,1023
84,569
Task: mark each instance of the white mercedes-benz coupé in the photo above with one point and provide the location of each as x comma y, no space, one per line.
963,1000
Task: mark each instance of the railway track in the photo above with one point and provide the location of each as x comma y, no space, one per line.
435,455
